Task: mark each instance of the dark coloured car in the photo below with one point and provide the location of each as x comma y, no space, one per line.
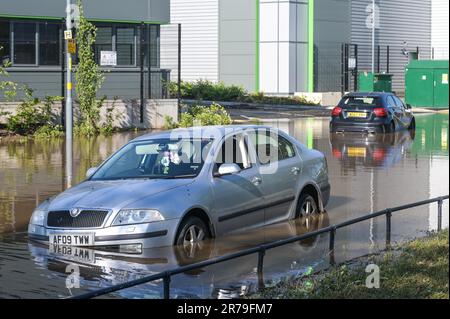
371,113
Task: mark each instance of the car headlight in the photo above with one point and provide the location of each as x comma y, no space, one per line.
38,217
137,216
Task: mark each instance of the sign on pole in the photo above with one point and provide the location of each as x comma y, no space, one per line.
108,58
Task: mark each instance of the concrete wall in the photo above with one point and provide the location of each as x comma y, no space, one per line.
126,112
131,10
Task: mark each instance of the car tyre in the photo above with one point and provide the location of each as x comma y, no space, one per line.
307,206
191,233
412,125
391,127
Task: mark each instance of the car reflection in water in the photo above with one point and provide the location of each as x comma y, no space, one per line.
371,150
101,268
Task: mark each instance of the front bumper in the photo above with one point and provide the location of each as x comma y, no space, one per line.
149,235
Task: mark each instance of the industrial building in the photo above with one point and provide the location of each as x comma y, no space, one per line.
289,46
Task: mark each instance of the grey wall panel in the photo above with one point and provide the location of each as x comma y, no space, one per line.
200,39
440,35
237,42
133,10
331,29
42,84
400,21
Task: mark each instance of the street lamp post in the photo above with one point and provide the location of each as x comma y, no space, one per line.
68,106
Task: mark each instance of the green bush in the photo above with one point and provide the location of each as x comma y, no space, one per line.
32,114
203,90
207,90
200,116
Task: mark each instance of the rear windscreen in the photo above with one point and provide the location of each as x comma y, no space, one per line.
361,101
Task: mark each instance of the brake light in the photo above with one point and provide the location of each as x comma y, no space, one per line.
380,112
336,111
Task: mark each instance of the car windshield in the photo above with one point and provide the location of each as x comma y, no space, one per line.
353,101
159,158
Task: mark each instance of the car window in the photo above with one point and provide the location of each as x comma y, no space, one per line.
159,158
234,150
398,102
352,101
271,147
390,101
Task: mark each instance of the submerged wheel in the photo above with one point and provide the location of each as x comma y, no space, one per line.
307,206
412,125
391,128
192,233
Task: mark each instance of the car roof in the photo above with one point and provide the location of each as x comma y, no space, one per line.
200,131
368,94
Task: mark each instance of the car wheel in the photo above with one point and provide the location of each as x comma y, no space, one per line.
191,235
307,206
391,127
412,125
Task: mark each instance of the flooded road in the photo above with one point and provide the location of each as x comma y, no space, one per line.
367,173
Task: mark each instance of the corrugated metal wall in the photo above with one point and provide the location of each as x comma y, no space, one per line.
199,39
402,24
439,25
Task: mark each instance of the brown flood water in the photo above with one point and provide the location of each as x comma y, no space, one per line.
366,173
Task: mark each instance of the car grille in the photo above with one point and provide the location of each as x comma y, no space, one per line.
86,219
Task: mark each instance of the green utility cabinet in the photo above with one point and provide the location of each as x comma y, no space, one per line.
426,83
374,82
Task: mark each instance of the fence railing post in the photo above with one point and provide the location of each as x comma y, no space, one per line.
388,228
166,282
331,246
261,254
440,202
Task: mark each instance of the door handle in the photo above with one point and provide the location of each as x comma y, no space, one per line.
256,180
295,170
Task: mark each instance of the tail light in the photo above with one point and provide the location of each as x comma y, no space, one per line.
336,111
380,112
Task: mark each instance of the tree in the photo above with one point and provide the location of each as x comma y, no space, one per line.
89,77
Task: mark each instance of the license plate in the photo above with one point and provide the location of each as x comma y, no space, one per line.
73,253
71,239
357,114
356,152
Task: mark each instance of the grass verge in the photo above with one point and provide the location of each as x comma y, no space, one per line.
418,269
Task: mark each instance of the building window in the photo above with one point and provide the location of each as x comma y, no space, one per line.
154,45
125,45
103,41
5,43
49,44
24,37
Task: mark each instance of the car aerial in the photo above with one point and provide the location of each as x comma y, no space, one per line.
371,113
179,187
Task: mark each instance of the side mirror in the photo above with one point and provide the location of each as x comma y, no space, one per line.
408,106
228,169
90,171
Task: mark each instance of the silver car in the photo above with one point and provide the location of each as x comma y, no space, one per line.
182,186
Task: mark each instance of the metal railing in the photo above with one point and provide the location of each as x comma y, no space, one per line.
261,250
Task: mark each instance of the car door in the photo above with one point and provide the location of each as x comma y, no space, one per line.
397,111
280,167
238,199
406,115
